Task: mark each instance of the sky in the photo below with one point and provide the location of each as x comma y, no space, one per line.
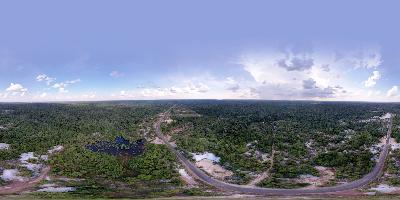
334,50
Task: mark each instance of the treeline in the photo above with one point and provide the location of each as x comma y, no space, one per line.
38,127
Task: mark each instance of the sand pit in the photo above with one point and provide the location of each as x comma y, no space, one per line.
325,176
215,170
186,177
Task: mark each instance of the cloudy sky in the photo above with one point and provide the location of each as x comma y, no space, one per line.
292,50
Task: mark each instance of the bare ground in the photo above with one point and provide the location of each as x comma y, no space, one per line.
18,186
265,174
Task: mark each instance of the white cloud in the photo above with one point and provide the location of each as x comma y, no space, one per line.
63,85
231,84
116,74
313,78
44,77
366,58
248,93
371,81
123,93
90,95
73,81
196,88
265,70
16,89
393,91
280,74
188,90
296,63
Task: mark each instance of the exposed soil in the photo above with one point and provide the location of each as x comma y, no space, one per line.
213,169
265,174
187,178
20,186
325,176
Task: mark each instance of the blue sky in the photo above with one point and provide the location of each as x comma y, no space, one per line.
104,50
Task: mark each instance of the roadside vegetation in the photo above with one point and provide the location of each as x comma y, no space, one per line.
303,135
289,139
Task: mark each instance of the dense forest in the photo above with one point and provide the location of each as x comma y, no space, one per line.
39,127
294,136
301,135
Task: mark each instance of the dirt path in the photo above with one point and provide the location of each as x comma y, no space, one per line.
265,174
17,187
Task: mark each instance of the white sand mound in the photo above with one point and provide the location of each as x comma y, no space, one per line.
213,169
386,116
11,175
4,146
186,177
55,149
57,189
24,159
383,188
206,155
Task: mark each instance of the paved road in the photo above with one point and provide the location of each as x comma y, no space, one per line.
192,169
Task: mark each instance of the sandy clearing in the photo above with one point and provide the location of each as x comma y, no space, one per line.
394,145
187,178
383,188
325,176
12,175
214,169
56,189
206,155
4,146
157,141
18,186
265,174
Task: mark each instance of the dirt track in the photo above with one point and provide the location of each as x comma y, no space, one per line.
18,186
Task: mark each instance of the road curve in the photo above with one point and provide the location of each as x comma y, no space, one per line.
373,175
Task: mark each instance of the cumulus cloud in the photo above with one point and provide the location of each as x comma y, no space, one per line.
44,77
309,84
116,74
393,91
361,58
296,63
196,88
73,81
231,84
16,89
312,90
327,92
249,93
63,85
371,81
167,92
325,68
311,78
90,95
265,70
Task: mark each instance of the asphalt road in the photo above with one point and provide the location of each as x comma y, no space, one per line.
192,169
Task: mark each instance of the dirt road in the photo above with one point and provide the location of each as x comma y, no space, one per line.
17,187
